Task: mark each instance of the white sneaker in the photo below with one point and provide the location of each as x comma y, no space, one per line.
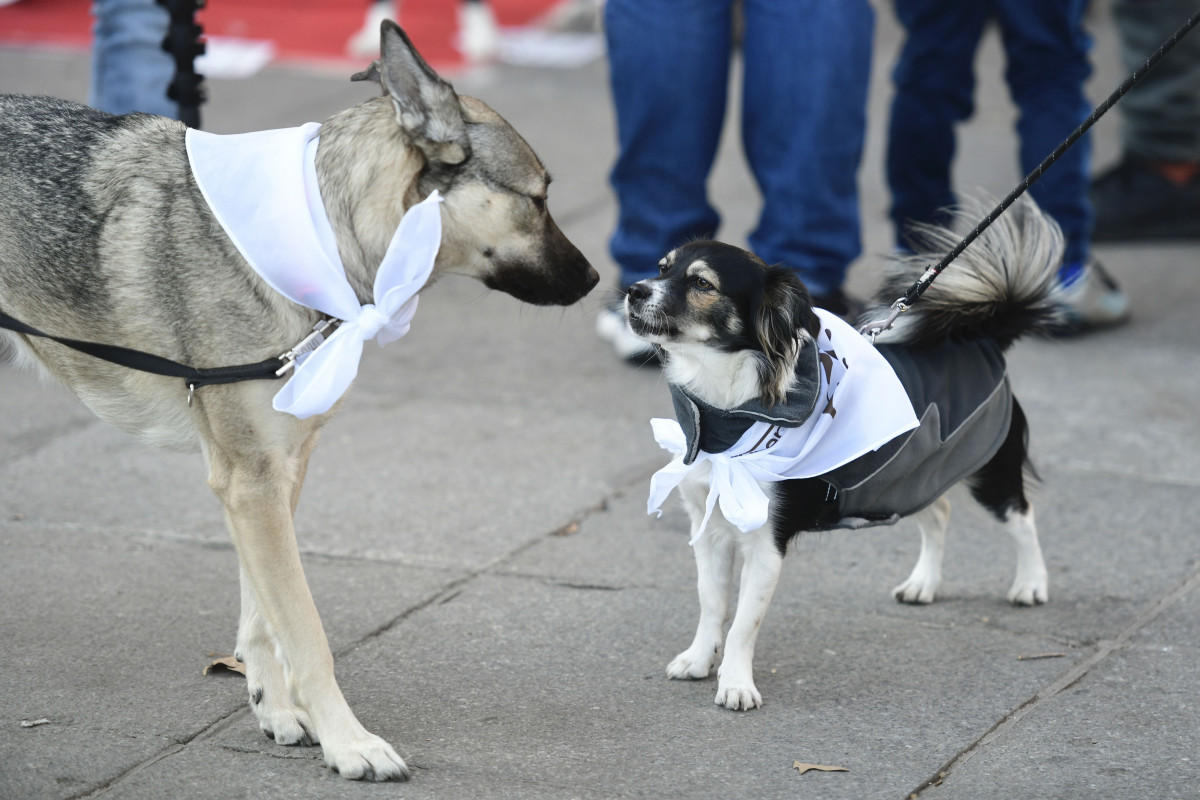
1094,300
613,327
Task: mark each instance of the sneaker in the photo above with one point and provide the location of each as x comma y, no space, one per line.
1093,300
1133,201
613,327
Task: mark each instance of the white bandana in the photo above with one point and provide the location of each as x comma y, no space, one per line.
861,406
262,188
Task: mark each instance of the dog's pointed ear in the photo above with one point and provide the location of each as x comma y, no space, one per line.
426,106
371,73
783,315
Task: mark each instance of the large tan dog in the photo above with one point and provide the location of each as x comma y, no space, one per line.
105,237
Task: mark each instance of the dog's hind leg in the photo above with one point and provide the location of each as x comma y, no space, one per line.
760,574
278,717
922,584
1000,487
714,581
1030,586
256,474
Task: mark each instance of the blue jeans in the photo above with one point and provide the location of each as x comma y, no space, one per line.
130,70
807,64
1047,54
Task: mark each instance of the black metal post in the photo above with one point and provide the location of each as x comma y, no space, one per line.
184,44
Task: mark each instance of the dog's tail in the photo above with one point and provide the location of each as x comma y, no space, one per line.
1004,285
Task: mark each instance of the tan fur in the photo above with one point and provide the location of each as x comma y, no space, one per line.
370,170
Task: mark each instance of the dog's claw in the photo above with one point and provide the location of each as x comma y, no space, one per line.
739,698
917,595
687,666
289,728
1028,595
366,759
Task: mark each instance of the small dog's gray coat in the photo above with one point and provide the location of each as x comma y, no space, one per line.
105,237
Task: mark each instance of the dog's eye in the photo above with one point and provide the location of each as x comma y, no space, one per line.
703,285
662,267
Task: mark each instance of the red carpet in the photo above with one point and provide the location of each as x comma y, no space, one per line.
302,30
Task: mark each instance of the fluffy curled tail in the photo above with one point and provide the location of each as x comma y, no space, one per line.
1001,287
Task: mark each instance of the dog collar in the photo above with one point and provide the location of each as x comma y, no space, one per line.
262,187
858,406
715,430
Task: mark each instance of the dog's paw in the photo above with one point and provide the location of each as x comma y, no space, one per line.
915,590
365,757
735,686
741,697
1029,592
692,665
280,720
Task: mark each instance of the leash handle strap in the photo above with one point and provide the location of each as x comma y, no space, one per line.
157,365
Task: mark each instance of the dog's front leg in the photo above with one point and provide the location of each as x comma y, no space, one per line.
257,490
926,576
714,578
760,574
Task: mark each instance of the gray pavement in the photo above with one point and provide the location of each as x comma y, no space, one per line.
502,609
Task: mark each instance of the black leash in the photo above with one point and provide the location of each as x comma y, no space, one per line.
271,369
904,302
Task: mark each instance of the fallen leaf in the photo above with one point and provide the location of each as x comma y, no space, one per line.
226,663
567,530
800,765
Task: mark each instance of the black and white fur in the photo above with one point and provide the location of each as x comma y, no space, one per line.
729,327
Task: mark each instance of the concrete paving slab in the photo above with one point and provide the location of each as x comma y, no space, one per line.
518,687
106,635
1126,728
31,416
506,661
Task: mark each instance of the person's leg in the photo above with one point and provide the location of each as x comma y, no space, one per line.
935,84
1154,191
803,123
668,66
130,70
1047,52
1162,113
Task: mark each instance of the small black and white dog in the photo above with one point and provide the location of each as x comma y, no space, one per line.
740,344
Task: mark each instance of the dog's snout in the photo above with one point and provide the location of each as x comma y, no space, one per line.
638,292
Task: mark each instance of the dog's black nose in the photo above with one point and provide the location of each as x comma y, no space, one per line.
638,292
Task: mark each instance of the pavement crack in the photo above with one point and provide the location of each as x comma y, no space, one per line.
174,748
1067,679
454,588
591,587
445,594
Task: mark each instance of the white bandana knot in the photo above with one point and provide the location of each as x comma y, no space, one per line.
861,406
263,189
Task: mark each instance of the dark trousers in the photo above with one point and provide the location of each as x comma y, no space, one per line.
1047,55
